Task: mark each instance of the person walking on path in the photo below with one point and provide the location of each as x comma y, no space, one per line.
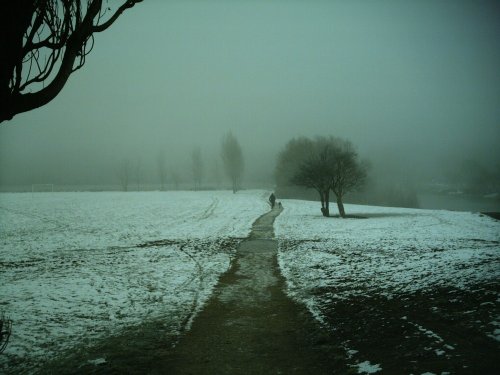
272,200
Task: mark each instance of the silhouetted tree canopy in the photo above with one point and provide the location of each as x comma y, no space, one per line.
316,172
323,164
348,173
296,151
42,42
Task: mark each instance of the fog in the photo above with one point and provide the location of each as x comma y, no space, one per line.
414,85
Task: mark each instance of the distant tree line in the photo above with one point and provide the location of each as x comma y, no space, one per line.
231,156
475,178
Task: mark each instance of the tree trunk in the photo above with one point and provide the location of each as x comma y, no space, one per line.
340,205
322,199
326,212
324,203
15,19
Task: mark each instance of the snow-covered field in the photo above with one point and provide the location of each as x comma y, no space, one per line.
388,250
390,254
75,267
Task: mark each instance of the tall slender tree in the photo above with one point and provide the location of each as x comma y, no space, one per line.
162,169
124,173
175,177
232,157
138,173
197,167
216,173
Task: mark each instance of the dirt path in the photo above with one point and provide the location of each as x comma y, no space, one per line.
249,326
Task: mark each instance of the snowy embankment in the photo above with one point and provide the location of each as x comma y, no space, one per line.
75,267
388,254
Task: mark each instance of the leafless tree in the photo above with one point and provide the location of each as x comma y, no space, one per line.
217,174
348,173
197,167
175,177
162,169
316,173
334,166
138,173
124,174
296,152
43,42
232,157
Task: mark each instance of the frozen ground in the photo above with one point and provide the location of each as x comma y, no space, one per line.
402,290
425,283
389,250
75,267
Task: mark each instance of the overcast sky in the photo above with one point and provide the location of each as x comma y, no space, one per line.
413,83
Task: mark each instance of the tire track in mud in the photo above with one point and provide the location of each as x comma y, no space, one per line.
195,304
180,246
210,209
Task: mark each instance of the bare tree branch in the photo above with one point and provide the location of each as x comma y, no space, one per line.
43,42
334,166
119,11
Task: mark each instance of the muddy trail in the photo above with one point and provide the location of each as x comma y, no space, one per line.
248,326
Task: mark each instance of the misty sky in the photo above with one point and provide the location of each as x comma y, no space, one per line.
415,85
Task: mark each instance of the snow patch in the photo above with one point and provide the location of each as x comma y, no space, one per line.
367,368
97,361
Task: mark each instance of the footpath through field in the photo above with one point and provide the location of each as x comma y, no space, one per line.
249,326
